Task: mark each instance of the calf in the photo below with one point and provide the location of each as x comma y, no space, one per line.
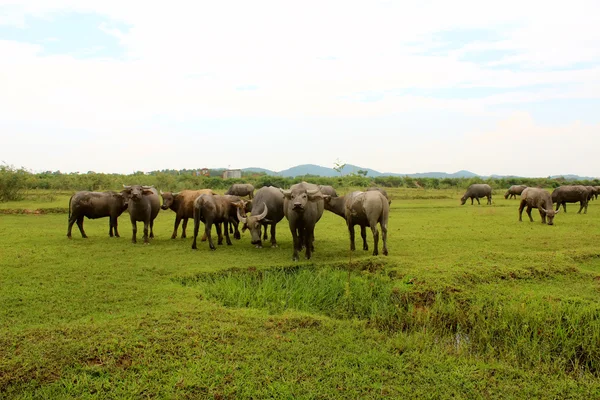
215,209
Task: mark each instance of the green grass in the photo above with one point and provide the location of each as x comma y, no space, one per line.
470,304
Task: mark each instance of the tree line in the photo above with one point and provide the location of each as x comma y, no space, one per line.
13,181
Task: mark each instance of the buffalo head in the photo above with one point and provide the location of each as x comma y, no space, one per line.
253,223
299,198
135,192
168,199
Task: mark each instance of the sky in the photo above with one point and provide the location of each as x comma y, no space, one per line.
505,87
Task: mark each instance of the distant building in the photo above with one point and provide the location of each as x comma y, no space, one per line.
232,173
204,172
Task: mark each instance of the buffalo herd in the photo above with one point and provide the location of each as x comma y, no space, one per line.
302,204
539,198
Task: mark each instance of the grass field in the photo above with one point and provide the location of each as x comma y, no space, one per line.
470,303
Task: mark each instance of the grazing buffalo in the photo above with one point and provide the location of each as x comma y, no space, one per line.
144,205
596,192
96,205
513,191
241,189
268,210
477,191
540,199
591,192
303,207
183,205
327,190
215,209
364,209
382,191
570,194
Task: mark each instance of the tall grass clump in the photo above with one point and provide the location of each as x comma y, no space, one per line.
563,335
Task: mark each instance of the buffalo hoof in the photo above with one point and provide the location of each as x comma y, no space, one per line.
213,248
152,236
194,247
375,253
237,236
295,258
274,245
258,246
117,236
385,252
84,236
173,237
69,237
365,248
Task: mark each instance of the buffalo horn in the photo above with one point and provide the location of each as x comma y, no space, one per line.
262,214
242,219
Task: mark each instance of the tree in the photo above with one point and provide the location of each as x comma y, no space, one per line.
338,166
362,172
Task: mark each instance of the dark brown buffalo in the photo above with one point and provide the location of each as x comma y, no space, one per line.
303,207
513,191
477,191
183,205
268,210
241,189
96,205
540,199
217,210
570,194
144,205
364,209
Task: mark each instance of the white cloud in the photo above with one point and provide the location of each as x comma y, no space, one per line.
186,60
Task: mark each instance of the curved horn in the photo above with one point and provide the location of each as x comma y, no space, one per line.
285,192
263,214
242,219
161,192
126,187
312,192
147,187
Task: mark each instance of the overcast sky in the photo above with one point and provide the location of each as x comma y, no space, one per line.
503,87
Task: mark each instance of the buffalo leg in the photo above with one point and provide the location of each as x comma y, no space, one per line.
521,207
183,228
236,230
297,244
265,236
582,204
543,215
219,233
375,239
110,227
273,239
134,231
207,229
80,226
478,202
176,226
363,234
151,229
351,232
471,200
116,226
489,199
529,208
384,237
309,235
146,226
196,227
72,220
564,204
227,225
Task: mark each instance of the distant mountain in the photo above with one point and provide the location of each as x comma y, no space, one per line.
317,170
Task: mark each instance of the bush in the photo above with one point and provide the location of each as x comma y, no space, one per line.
12,182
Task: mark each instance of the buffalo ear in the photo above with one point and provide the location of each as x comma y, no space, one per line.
147,191
327,198
316,196
286,193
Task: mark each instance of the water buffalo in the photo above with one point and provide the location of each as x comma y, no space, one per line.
382,191
96,205
144,205
183,205
477,191
363,209
268,210
513,191
215,209
328,190
596,192
591,192
570,194
540,199
303,207
241,189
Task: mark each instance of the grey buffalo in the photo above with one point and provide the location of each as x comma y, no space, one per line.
144,205
241,189
267,210
571,194
540,199
215,210
95,205
513,191
591,192
382,191
328,190
303,207
183,205
477,191
364,209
